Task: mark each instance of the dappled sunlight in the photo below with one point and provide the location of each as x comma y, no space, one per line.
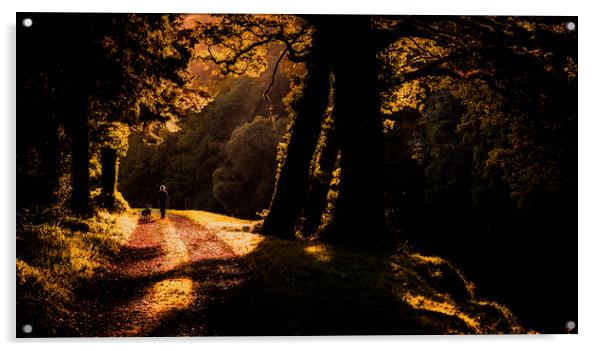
427,259
83,261
241,243
127,223
176,253
141,316
433,284
234,232
427,292
214,220
426,285
424,303
319,251
168,295
423,271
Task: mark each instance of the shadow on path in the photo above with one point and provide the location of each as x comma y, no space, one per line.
176,278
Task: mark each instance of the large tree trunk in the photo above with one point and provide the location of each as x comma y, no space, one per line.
317,200
109,164
359,215
80,158
292,181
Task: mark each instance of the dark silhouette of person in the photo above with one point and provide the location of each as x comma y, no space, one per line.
163,198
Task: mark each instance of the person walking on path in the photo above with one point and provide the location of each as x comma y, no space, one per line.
163,198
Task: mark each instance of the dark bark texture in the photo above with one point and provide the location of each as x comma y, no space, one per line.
317,200
109,164
80,195
292,181
359,215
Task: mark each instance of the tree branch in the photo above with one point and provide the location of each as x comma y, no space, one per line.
423,49
232,60
267,90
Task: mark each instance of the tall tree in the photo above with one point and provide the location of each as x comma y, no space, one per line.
51,65
293,175
322,175
235,43
359,214
106,68
398,57
144,82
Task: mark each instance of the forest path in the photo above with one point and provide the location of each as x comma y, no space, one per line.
167,281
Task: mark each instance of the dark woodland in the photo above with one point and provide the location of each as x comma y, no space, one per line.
327,174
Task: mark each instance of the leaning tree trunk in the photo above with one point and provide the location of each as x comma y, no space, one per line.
359,215
293,177
317,200
108,179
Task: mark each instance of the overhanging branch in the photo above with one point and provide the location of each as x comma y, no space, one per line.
266,96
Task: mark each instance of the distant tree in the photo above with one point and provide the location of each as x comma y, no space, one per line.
237,43
245,181
185,161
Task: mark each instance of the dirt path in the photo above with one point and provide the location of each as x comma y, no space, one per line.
167,281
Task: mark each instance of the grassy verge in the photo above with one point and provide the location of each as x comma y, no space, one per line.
234,231
55,257
317,287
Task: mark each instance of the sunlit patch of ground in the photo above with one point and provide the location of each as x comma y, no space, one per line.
139,317
172,269
427,259
166,267
175,249
240,242
433,284
170,294
56,258
214,220
319,251
424,303
127,224
233,231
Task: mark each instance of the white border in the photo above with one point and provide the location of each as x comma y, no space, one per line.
455,7
590,177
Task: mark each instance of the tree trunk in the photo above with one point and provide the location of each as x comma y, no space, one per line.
80,158
108,160
293,178
359,215
52,164
320,183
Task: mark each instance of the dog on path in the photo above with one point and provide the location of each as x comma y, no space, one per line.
146,212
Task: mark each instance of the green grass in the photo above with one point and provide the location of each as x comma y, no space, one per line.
422,294
217,221
55,257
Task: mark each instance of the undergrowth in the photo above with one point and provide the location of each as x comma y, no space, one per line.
56,254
